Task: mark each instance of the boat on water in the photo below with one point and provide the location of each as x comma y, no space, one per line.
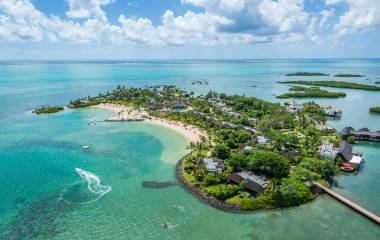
165,225
80,171
347,167
86,147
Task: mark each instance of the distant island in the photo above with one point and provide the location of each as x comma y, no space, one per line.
254,154
348,75
374,110
47,110
313,92
307,74
335,84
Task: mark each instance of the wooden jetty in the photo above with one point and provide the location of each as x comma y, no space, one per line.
349,203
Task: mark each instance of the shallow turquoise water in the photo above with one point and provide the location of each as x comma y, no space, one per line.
42,197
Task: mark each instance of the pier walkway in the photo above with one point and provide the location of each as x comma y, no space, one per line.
349,203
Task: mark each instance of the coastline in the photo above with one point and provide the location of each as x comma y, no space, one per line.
191,133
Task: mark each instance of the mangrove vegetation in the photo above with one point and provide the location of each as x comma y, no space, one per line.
374,110
47,110
348,75
335,84
313,92
307,74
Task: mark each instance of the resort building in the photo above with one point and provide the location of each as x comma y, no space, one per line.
247,148
345,151
328,151
261,140
212,165
363,134
250,129
254,182
293,106
179,108
332,111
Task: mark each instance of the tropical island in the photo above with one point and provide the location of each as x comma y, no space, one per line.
307,74
348,75
374,110
313,92
250,154
47,110
335,84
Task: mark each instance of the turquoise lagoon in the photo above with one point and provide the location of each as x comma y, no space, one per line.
42,196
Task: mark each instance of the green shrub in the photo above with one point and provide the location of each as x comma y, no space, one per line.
221,151
223,192
291,192
303,174
253,203
269,163
210,180
325,168
351,140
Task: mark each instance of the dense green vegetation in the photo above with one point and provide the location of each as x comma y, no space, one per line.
336,84
297,88
375,110
348,75
351,139
46,110
233,122
269,163
310,93
307,74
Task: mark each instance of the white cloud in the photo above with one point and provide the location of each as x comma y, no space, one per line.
285,15
221,22
87,9
362,15
218,5
22,21
325,16
273,19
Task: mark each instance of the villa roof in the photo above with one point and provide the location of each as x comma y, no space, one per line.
254,182
345,150
211,164
250,129
356,160
347,131
364,130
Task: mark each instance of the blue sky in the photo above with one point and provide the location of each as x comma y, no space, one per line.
188,29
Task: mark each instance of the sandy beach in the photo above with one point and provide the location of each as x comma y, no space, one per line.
191,133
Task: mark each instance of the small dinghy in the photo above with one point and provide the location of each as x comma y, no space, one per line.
86,147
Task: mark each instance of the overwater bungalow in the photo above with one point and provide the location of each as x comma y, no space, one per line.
254,182
345,151
363,134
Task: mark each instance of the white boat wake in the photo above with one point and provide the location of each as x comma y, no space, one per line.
93,182
78,193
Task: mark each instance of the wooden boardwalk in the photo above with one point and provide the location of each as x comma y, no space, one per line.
349,203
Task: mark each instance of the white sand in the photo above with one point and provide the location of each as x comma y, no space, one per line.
191,133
